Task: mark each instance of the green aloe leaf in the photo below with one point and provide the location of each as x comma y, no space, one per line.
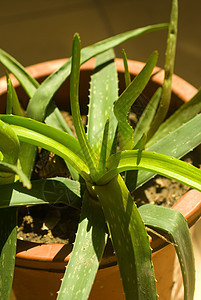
127,76
8,240
30,86
87,252
140,134
129,238
54,118
176,144
44,129
146,118
74,100
9,147
59,148
173,223
43,191
183,115
103,93
169,69
6,175
154,162
28,83
127,98
50,138
118,39
13,104
127,79
9,144
9,100
103,153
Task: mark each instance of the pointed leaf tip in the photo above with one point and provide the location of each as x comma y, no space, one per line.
77,37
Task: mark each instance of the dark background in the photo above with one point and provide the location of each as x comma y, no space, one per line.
40,30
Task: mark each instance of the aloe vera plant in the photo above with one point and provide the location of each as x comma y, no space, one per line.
110,173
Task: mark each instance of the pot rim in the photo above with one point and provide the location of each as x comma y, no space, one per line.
189,204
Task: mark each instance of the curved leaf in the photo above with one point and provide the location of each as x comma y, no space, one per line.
50,138
178,143
184,114
28,83
154,162
172,222
127,98
43,191
8,168
43,129
9,144
40,140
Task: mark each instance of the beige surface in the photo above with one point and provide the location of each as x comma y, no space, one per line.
196,237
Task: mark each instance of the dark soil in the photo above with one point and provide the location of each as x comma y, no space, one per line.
48,224
161,191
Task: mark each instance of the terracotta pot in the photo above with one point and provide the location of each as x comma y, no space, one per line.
39,268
